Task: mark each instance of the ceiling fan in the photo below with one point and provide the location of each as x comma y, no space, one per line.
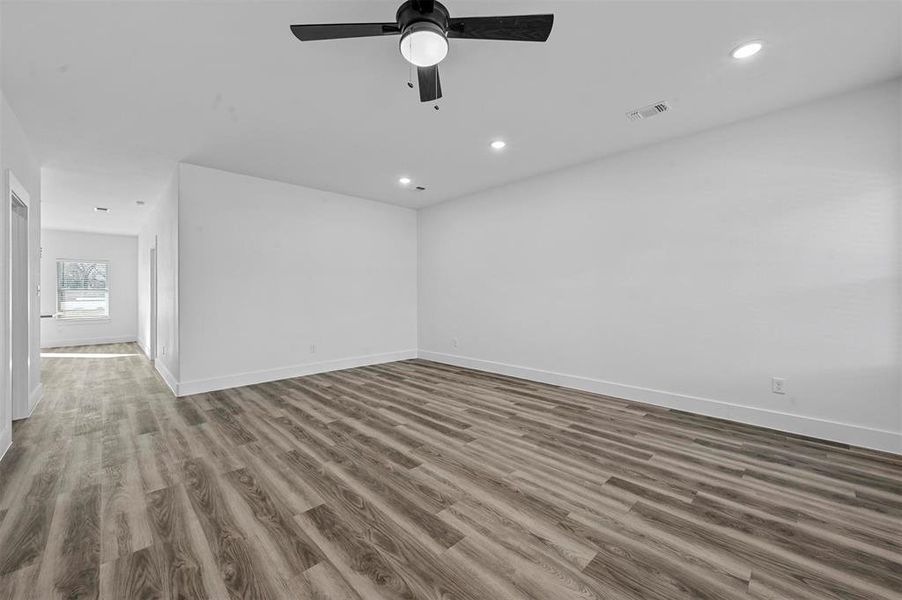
424,27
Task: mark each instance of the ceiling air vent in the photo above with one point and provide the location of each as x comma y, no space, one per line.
648,111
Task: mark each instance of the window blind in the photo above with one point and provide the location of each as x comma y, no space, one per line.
82,289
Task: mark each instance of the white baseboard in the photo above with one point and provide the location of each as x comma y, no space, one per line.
167,376
88,341
6,442
37,394
33,398
142,348
200,386
856,435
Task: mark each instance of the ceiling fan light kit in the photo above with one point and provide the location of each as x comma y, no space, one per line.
424,44
425,27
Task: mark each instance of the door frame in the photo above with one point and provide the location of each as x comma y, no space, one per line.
20,406
154,253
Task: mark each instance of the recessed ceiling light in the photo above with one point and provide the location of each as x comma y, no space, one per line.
101,209
746,50
404,180
498,144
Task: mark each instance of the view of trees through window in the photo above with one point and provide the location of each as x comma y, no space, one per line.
82,289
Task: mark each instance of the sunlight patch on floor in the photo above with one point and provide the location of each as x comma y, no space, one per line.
82,355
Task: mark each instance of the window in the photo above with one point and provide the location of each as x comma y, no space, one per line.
82,289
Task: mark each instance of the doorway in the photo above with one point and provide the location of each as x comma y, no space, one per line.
19,305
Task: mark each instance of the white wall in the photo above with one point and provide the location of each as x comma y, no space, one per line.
122,253
162,229
16,155
690,273
277,280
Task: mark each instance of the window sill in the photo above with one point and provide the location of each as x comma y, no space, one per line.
82,320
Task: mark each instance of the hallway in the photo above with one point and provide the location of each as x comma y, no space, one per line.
80,455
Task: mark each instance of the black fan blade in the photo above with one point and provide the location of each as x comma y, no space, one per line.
424,6
430,86
523,28
335,31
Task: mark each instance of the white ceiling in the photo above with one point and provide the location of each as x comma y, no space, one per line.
114,94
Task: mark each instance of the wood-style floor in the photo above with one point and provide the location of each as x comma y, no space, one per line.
419,480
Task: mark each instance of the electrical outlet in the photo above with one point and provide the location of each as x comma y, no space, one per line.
163,350
312,348
454,342
778,385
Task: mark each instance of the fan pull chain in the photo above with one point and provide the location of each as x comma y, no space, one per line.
409,65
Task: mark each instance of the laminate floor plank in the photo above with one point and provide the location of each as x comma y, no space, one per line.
187,562
78,564
293,546
415,479
240,567
139,574
323,582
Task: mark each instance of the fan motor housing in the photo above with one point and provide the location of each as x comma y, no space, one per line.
408,14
